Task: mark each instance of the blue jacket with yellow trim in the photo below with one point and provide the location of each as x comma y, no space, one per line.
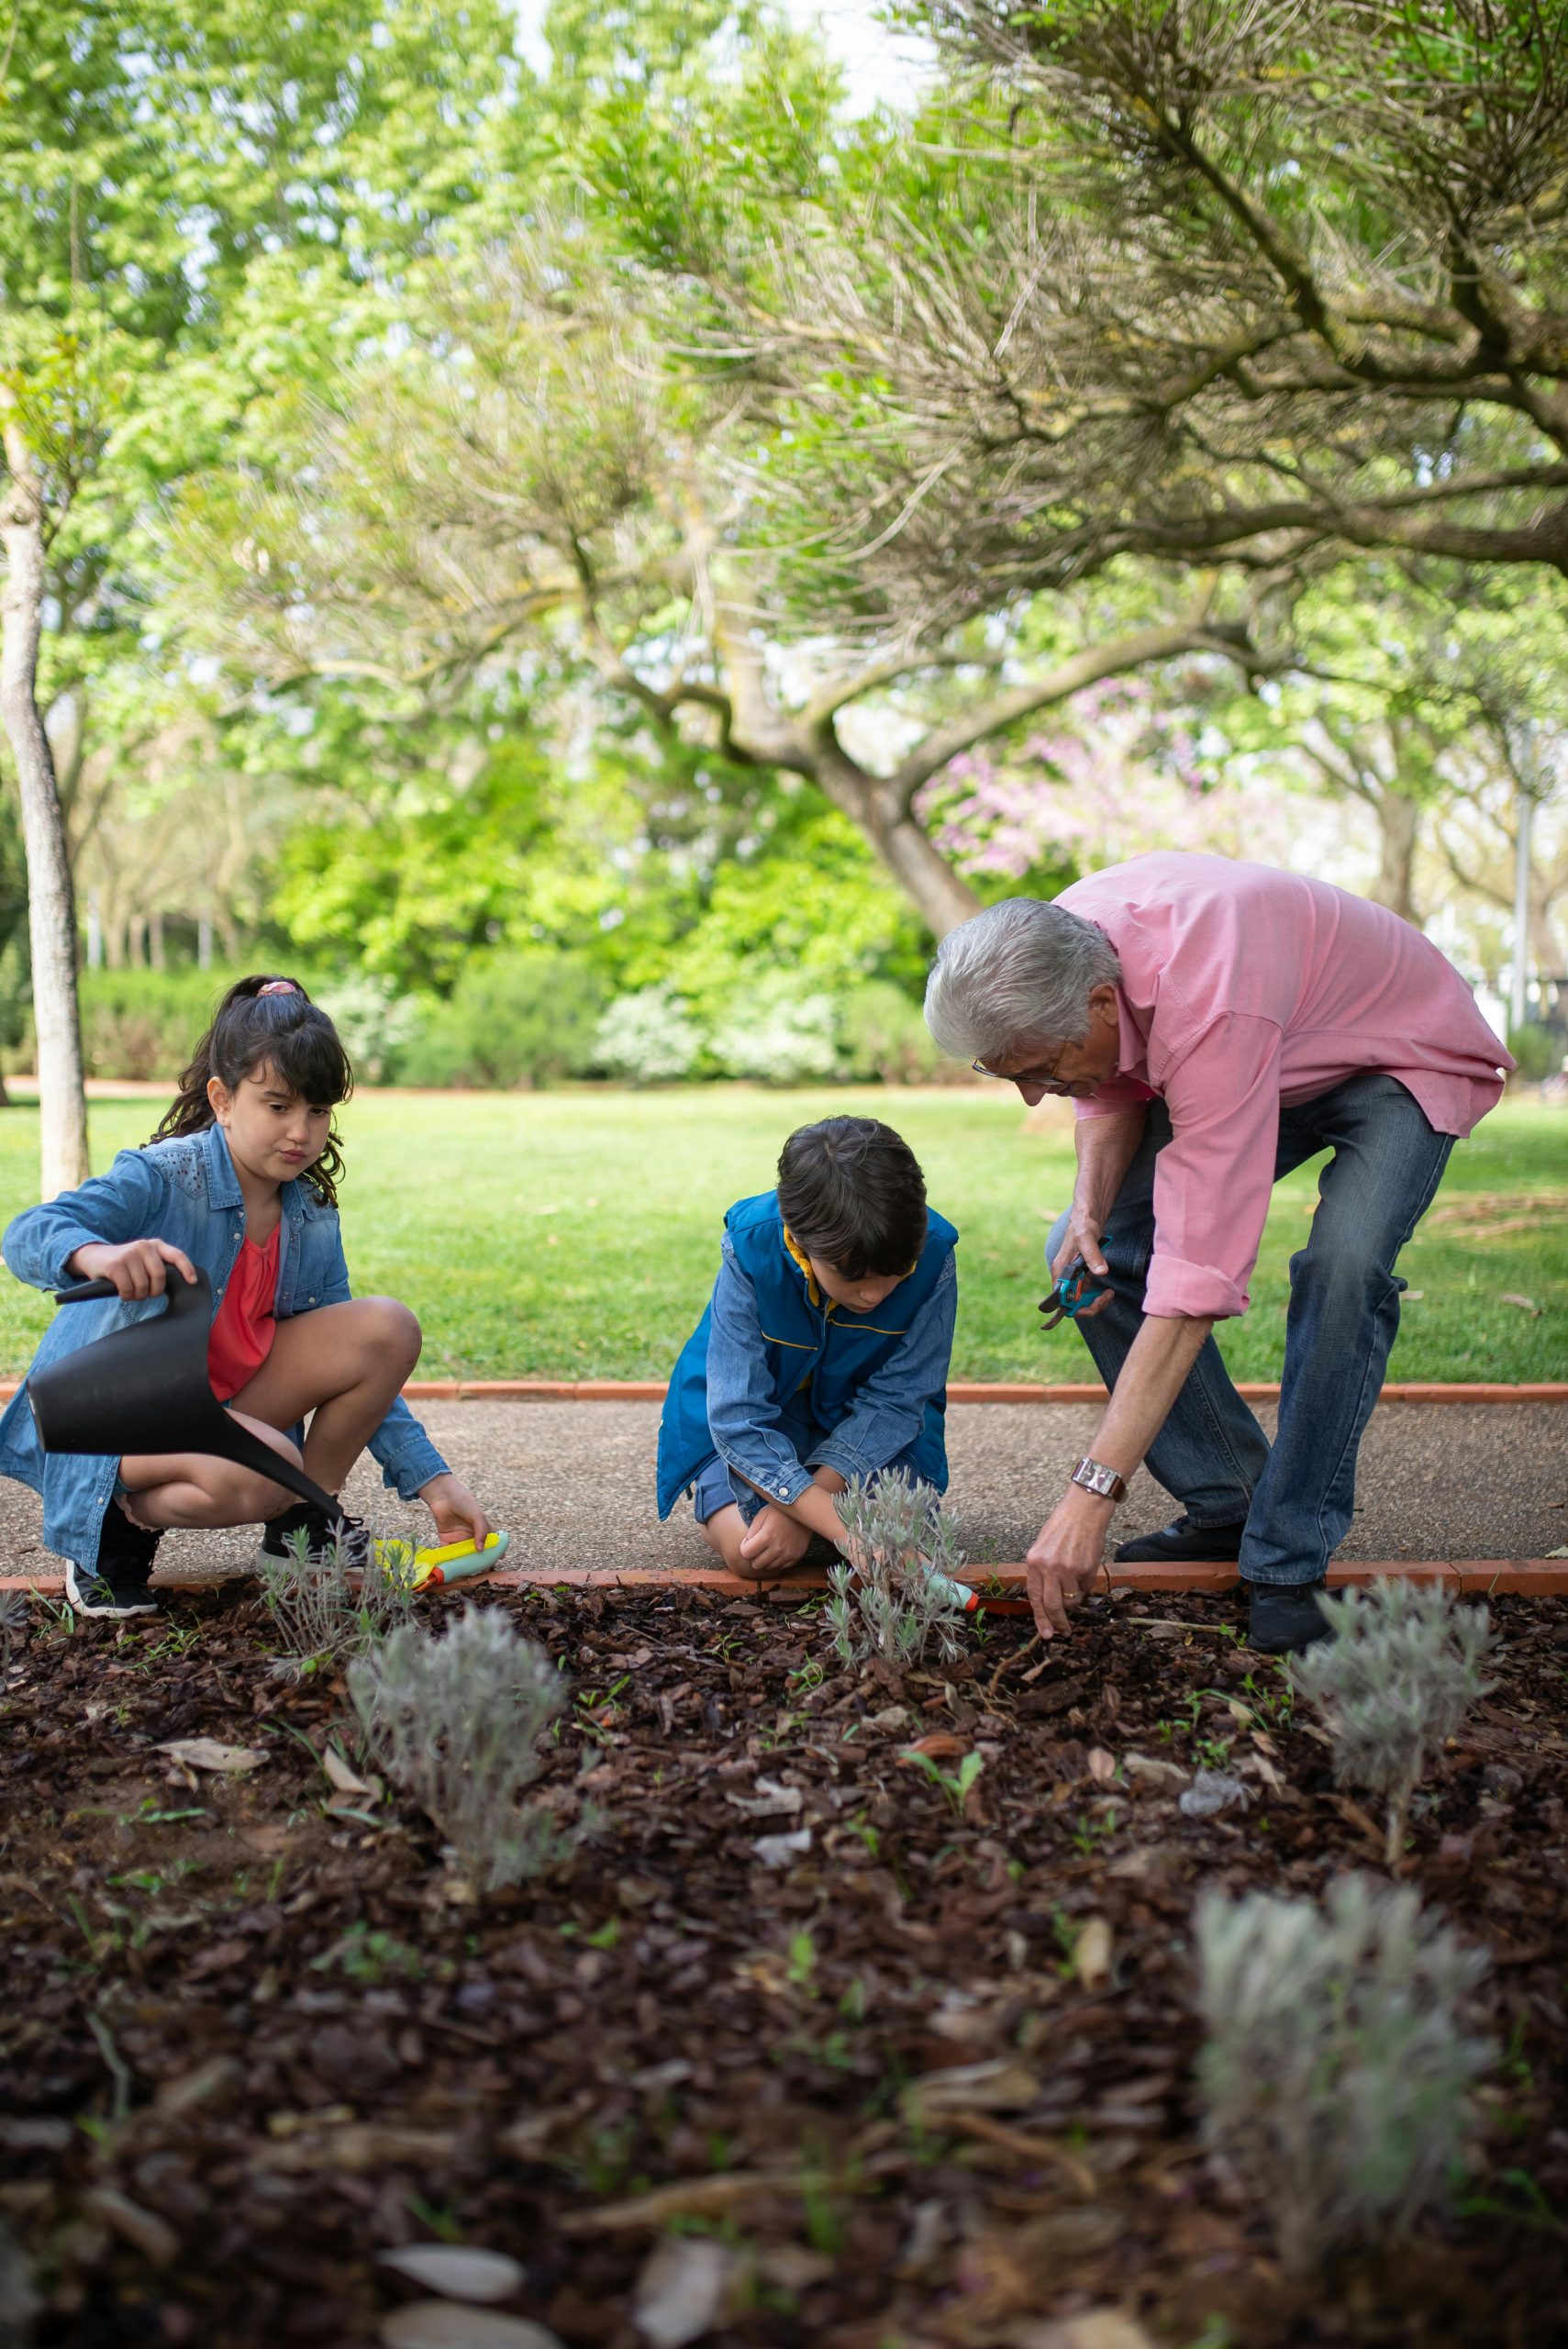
779,1380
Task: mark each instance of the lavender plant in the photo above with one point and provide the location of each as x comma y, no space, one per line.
1398,1677
1336,2070
326,1609
898,1594
457,1722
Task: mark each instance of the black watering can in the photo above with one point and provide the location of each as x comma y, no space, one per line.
145,1389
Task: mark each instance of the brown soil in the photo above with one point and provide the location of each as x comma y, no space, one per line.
254,2031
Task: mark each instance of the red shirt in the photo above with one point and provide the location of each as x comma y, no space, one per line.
242,1329
1243,990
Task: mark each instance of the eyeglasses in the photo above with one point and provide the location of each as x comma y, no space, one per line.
1024,1075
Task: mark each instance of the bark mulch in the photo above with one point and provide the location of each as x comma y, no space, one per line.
256,2032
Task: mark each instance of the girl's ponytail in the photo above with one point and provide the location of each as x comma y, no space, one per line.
266,1018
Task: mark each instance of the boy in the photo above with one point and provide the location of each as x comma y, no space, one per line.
823,1353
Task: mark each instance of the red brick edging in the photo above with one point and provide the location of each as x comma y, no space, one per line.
1001,1587
960,1390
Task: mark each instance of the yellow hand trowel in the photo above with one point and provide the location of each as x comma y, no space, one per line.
449,1561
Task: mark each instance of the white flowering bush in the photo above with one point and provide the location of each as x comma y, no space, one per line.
649,1038
375,1022
1336,2070
778,1034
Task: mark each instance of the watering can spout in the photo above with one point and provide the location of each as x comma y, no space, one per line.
145,1389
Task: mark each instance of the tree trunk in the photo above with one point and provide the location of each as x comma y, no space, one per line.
942,897
1398,818
51,911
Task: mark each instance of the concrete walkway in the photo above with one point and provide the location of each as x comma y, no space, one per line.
573,1482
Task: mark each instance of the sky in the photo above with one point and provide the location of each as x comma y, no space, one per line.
879,66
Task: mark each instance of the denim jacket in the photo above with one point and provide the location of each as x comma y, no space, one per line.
184,1192
779,1380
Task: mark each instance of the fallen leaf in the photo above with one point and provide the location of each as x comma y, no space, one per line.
766,1798
682,2289
1149,1765
1003,2085
777,1850
1102,1766
207,1754
1092,1953
1096,2329
346,1780
1557,1553
457,2273
1512,1297
1266,1771
444,2324
143,2230
940,1746
687,2198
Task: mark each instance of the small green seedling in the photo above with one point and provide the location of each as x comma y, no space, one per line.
955,1784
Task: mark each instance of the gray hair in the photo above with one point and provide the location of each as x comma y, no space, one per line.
1018,973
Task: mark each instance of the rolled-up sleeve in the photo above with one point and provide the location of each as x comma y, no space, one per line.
742,1416
1214,1177
125,1204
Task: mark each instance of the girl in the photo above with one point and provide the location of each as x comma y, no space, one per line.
240,1179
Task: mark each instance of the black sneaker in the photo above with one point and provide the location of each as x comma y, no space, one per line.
1185,1544
116,1585
1282,1617
280,1536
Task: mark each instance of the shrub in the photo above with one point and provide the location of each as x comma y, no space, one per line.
145,1023
376,1023
898,1595
1336,2072
456,1722
883,1037
775,1033
1537,1050
325,1608
649,1038
512,1020
1399,1678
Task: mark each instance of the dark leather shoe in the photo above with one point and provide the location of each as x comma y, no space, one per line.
1184,1544
1282,1617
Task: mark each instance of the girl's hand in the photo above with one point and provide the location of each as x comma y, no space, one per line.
458,1515
137,1268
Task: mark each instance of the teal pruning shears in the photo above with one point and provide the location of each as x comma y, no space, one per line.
1071,1296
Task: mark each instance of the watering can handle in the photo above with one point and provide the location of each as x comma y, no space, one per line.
84,1291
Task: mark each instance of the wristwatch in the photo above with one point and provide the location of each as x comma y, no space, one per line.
1096,1478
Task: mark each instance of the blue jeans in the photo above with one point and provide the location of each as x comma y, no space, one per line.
1211,1455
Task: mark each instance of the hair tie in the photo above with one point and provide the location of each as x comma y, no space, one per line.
278,986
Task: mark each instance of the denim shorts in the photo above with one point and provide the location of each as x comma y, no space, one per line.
712,1490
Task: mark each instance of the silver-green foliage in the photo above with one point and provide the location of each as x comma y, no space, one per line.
456,1722
1398,1677
895,1599
325,1607
1336,2070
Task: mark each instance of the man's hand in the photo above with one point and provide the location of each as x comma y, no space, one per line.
772,1543
458,1515
1083,1238
1065,1560
137,1268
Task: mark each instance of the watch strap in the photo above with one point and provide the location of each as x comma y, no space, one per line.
1096,1478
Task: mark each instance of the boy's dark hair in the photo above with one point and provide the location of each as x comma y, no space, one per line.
261,1018
851,1192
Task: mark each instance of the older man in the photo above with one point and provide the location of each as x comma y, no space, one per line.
1217,1024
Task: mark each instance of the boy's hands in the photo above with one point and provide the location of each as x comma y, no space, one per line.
773,1542
458,1515
138,1268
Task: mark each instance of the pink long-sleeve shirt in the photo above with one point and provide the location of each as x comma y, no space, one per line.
1244,990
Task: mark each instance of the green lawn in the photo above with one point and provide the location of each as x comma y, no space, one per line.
574,1234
